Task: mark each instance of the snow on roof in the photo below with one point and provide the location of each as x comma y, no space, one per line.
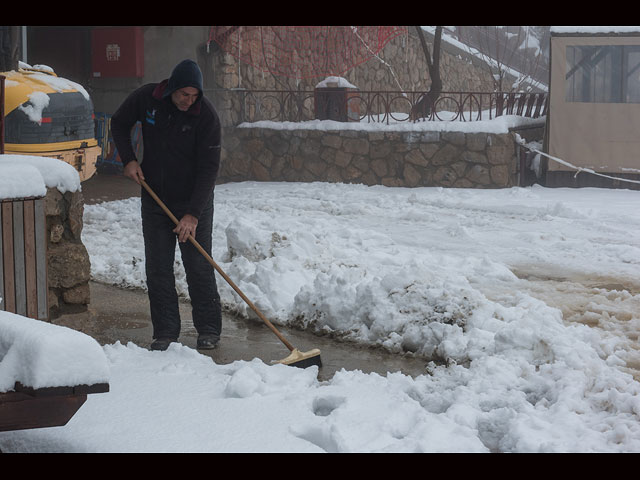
333,82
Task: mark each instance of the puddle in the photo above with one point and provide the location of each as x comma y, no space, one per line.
117,314
612,305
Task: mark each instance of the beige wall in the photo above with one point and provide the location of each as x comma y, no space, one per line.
604,137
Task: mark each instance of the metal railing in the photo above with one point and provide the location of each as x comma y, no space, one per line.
386,107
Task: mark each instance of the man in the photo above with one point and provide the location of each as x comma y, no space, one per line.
181,156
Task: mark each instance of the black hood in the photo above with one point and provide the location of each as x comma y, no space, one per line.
185,74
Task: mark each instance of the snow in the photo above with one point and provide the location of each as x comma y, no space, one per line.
525,299
30,176
33,110
39,355
335,82
594,29
397,121
46,75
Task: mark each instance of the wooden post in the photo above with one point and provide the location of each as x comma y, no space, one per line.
9,294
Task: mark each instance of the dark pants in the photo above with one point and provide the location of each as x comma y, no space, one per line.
160,247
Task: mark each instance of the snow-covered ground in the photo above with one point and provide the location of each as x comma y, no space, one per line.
526,299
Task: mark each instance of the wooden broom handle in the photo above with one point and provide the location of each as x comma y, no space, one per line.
218,269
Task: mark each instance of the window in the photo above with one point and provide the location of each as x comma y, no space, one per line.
603,74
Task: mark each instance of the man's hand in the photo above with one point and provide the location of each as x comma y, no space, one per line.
133,171
186,226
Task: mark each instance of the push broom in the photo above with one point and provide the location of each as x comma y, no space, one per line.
296,358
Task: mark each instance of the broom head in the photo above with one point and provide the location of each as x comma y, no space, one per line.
302,359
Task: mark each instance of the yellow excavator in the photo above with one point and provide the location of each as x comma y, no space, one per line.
49,116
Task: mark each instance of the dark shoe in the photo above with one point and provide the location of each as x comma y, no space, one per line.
162,343
208,342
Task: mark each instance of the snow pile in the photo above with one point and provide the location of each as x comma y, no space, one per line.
30,176
38,354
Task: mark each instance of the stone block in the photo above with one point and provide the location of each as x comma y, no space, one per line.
416,157
316,167
56,230
277,144
78,295
296,162
476,142
53,203
429,149
68,265
341,158
500,154
380,149
332,140
479,174
500,175
456,138
411,176
444,176
379,167
473,157
446,155
259,172
359,146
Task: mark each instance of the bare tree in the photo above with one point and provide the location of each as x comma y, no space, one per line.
9,50
425,103
509,52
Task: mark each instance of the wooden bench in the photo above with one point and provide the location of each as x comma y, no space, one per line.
26,408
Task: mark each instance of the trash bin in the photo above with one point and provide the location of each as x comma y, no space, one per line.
23,258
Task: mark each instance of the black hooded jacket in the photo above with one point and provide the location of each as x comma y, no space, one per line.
181,150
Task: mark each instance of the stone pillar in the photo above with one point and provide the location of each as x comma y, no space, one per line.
69,267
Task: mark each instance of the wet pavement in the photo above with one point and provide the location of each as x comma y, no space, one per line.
117,314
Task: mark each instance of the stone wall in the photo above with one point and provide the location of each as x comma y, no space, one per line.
68,263
391,158
399,66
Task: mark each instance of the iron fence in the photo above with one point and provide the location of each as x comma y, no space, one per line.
385,106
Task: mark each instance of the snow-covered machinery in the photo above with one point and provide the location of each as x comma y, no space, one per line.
49,116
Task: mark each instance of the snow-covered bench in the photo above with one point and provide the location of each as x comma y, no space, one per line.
46,372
